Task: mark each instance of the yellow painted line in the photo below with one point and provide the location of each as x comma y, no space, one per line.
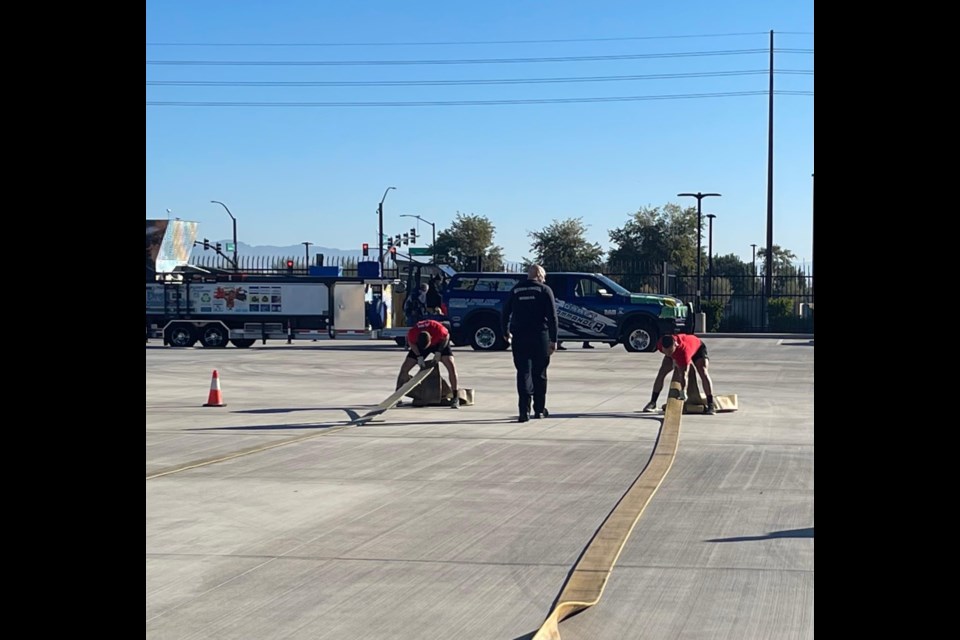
242,452
586,582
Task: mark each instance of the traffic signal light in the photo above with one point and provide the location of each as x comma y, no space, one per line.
206,244
406,238
396,240
366,250
390,242
289,266
413,236
218,247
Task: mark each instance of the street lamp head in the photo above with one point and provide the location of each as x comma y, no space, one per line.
386,191
697,195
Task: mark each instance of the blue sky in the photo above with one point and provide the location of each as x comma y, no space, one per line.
317,173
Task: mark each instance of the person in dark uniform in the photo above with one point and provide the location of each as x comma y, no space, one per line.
530,321
434,298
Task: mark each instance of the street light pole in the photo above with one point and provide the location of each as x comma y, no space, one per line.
699,196
306,248
235,267
710,217
753,280
380,215
433,227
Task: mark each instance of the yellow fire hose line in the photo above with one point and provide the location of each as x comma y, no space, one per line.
586,582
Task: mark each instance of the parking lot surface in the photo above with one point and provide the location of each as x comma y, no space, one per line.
272,517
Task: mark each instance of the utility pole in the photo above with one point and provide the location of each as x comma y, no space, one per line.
768,275
753,280
699,196
306,248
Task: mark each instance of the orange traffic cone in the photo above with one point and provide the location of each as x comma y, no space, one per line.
215,399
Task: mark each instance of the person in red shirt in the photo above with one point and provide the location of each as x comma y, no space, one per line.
424,338
679,352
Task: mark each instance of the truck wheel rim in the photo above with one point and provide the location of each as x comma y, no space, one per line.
486,337
640,339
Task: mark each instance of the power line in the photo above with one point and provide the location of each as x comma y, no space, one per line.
297,63
462,42
459,103
424,83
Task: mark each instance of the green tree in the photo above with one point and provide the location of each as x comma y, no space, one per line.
733,276
562,246
467,237
782,261
784,273
653,235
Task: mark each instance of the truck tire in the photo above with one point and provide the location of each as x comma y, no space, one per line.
214,336
639,336
181,335
242,343
485,335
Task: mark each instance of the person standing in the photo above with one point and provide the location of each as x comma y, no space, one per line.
530,321
415,308
433,298
424,338
679,352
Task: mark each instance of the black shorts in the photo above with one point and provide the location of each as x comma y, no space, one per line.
701,353
445,351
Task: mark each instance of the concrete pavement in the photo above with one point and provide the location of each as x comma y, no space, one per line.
271,518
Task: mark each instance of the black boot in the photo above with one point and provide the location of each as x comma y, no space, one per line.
539,408
524,408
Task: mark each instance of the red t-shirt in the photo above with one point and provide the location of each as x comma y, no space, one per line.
687,345
437,331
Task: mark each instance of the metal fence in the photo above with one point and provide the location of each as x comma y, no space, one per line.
732,303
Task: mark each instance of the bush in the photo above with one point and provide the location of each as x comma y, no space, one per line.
714,311
781,315
735,323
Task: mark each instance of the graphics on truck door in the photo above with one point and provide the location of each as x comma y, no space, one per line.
576,321
581,311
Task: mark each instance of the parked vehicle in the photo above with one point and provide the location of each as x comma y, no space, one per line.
216,309
590,307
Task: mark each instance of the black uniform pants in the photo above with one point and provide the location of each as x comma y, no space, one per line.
531,361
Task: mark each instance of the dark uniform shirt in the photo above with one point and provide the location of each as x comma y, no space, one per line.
531,308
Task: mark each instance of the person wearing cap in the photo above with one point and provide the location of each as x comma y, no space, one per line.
530,321
424,338
679,352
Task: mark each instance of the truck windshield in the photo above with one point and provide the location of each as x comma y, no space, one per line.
613,286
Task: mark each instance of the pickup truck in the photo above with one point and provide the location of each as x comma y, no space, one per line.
590,307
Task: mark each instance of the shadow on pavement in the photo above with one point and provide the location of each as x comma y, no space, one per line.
788,533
